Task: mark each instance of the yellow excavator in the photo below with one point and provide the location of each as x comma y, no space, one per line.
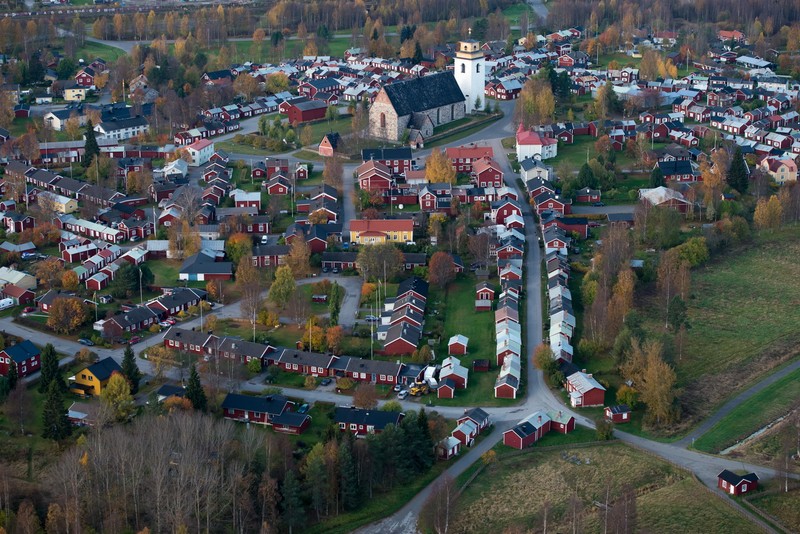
418,389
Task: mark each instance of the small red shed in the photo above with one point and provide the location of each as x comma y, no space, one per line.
457,344
734,484
528,431
446,390
561,422
620,413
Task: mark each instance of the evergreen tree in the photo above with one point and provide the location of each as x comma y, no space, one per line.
417,54
351,491
656,177
586,177
90,149
131,370
13,375
54,416
737,173
49,370
195,392
426,441
293,513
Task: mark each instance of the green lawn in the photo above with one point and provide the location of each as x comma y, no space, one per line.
242,51
575,154
235,148
165,272
763,408
91,50
343,125
514,490
457,316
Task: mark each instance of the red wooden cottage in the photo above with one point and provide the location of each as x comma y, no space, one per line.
734,484
584,390
528,431
620,413
362,422
272,410
457,344
25,355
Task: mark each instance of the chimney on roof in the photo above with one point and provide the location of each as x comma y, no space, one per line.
540,419
559,414
583,370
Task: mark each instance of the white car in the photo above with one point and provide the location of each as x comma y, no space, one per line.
165,324
403,394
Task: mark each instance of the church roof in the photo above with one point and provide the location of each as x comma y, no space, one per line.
424,93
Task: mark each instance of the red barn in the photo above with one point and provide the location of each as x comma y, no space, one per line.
310,110
561,423
25,355
446,389
584,390
528,431
457,344
734,484
618,414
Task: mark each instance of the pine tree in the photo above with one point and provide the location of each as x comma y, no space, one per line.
293,513
195,392
13,375
656,177
737,173
54,416
131,370
90,149
586,177
351,491
49,371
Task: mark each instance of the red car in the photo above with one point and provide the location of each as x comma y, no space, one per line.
134,340
29,309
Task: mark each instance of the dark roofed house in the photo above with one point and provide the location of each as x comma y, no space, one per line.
734,484
418,103
203,266
362,422
24,354
272,410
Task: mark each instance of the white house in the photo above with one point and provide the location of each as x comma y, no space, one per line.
533,145
200,151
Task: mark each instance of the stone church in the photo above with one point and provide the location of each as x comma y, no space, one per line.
417,105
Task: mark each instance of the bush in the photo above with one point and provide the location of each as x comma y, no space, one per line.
311,382
627,395
154,329
604,429
345,383
254,366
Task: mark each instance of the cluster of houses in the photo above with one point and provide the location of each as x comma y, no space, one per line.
468,427
535,426
402,318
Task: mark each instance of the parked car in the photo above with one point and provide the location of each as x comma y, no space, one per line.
397,388
134,340
171,321
29,255
346,246
325,382
403,394
335,270
264,239
372,319
325,269
598,204
165,324
87,342
28,309
303,408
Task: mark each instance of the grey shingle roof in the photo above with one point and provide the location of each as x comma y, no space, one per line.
422,94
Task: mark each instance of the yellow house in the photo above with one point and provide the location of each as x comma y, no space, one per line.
373,231
58,203
94,378
75,93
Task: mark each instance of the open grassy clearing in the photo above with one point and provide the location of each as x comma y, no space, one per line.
91,50
513,491
457,315
761,409
783,506
744,320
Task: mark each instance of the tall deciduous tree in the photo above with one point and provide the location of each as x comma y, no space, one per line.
768,214
381,261
131,370
283,287
333,172
66,315
365,396
315,476
55,424
195,392
238,246
292,505
441,270
116,396
299,258
439,168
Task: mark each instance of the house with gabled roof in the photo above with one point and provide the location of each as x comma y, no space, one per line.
25,355
92,380
528,431
584,390
734,484
362,422
270,410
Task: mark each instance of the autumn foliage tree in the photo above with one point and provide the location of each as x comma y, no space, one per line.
299,258
238,246
768,214
66,315
536,103
441,269
69,280
365,396
439,168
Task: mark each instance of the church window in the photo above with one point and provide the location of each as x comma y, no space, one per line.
383,120
463,68
478,67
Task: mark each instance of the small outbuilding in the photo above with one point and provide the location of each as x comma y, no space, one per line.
734,484
620,413
457,344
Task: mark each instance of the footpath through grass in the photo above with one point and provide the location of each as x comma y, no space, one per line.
766,406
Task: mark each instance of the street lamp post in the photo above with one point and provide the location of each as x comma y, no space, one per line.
141,295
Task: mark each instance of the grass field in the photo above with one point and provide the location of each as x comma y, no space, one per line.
763,408
165,272
91,50
457,311
783,506
513,491
744,320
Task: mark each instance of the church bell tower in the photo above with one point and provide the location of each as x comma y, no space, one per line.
470,71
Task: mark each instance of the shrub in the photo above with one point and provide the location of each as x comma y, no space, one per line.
310,382
604,429
254,366
345,383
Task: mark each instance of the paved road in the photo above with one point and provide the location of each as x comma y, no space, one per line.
539,8
594,210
